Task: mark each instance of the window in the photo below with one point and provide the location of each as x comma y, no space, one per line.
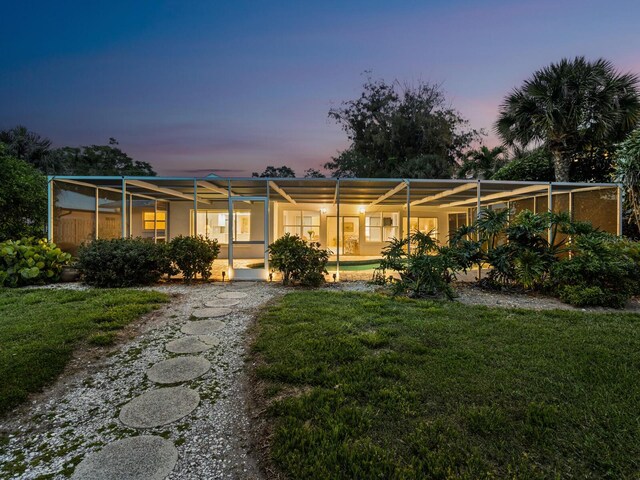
305,224
456,220
425,225
151,220
380,227
214,224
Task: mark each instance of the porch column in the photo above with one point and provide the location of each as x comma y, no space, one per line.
155,221
478,198
266,231
195,208
619,207
50,209
97,233
408,182
338,230
230,232
550,207
123,208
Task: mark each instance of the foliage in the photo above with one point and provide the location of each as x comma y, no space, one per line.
97,160
193,256
527,165
299,260
276,172
482,163
400,131
30,261
424,270
313,173
23,198
26,145
123,262
602,271
571,107
367,386
627,172
40,329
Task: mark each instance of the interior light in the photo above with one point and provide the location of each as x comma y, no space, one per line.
323,210
362,210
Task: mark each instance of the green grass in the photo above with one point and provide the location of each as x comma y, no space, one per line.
364,386
39,330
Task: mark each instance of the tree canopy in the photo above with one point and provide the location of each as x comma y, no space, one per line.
400,131
276,172
97,160
483,162
578,109
108,159
23,198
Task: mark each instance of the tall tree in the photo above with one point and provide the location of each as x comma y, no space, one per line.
23,198
98,160
400,130
22,143
571,106
627,172
483,162
313,173
276,172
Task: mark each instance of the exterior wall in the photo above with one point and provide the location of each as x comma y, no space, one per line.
365,248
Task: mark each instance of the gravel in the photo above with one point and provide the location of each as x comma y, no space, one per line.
79,414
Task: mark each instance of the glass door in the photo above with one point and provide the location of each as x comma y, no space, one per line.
348,235
247,238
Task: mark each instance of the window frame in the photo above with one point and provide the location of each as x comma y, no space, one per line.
301,224
225,237
155,221
395,216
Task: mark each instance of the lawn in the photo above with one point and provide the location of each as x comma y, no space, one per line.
365,386
39,330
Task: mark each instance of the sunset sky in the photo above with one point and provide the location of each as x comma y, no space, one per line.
231,87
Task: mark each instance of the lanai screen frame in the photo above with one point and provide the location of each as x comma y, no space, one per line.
373,191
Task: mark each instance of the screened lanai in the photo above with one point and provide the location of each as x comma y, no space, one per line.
353,218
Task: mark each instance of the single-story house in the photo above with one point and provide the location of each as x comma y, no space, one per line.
352,217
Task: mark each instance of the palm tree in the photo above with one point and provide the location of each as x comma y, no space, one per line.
570,105
483,162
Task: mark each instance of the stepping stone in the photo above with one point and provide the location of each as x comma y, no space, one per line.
202,327
211,312
221,302
241,284
159,407
232,295
188,344
176,370
210,340
145,457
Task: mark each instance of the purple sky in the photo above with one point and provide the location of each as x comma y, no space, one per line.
232,87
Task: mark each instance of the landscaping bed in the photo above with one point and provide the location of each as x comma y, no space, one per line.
360,385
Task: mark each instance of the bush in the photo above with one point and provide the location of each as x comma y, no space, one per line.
602,271
123,262
299,260
23,199
30,261
425,272
193,256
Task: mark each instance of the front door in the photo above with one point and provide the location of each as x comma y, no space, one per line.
248,238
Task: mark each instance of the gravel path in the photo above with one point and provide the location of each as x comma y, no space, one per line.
80,414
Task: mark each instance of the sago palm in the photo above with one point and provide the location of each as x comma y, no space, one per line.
569,105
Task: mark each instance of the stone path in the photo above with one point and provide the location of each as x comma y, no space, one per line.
170,404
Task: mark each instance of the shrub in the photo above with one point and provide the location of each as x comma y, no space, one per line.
602,271
193,256
299,260
30,261
426,271
123,262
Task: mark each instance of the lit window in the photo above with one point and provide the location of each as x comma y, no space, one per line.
425,225
380,227
214,224
305,224
151,220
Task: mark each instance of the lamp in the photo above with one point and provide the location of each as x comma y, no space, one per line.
362,210
223,274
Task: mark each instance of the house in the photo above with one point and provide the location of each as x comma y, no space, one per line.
352,217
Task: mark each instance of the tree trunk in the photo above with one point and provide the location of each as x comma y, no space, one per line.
561,166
